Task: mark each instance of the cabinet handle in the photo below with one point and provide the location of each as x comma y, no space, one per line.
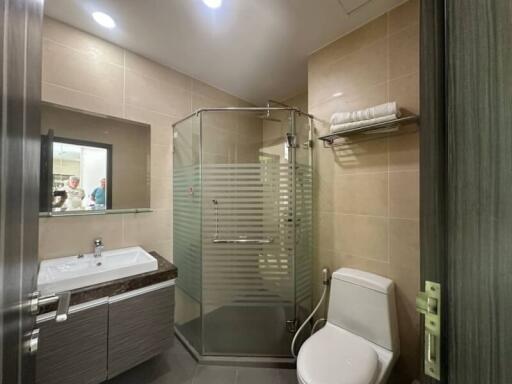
63,298
63,307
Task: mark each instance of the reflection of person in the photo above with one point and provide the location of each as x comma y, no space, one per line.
75,194
98,195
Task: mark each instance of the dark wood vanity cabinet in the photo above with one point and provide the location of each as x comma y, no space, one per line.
74,351
104,338
140,327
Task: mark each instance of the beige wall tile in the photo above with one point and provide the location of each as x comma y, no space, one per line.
147,228
99,78
404,152
155,71
164,248
214,158
161,125
324,231
362,193
404,244
362,69
161,192
323,181
403,16
405,91
404,55
408,363
361,155
361,236
68,236
212,93
161,161
156,95
351,42
407,286
200,101
92,46
369,265
404,194
74,99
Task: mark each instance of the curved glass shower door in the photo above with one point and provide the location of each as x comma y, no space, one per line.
247,277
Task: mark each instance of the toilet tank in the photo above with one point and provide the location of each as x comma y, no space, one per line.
364,304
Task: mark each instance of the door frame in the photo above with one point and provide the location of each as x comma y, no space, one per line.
20,82
433,162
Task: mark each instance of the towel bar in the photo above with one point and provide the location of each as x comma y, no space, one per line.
267,240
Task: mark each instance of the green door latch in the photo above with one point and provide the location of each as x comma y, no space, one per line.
428,303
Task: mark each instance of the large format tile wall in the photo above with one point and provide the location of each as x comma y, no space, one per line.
367,189
84,72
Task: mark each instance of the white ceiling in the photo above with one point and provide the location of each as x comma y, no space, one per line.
253,49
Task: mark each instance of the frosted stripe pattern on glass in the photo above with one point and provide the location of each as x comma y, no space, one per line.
255,201
304,232
187,234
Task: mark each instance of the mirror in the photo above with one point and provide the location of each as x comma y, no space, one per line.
92,163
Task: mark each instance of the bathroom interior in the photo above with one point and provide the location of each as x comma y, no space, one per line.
228,192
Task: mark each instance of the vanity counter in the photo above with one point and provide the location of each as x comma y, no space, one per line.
165,271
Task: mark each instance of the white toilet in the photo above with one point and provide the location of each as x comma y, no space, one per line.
359,344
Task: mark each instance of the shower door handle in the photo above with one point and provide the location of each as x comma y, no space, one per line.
267,240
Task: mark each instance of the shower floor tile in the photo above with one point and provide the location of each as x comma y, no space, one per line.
264,331
177,366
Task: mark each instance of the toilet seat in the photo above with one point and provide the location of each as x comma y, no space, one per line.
335,356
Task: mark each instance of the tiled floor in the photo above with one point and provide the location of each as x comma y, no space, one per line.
177,367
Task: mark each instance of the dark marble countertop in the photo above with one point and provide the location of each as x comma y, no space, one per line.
166,271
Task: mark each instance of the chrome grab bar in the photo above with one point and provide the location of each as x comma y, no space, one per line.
267,240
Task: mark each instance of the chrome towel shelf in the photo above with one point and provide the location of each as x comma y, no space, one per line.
387,126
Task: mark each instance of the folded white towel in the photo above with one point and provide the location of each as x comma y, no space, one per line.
381,110
356,124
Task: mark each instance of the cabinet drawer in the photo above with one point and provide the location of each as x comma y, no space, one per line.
140,326
74,351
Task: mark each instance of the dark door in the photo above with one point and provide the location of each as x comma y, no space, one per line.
466,183
46,173
20,63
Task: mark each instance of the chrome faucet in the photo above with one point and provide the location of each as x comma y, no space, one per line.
98,247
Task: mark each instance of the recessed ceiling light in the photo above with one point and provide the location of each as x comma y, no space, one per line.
337,94
213,3
104,20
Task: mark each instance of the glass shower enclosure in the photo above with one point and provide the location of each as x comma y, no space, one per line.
242,230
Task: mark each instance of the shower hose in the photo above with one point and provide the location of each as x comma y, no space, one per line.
325,282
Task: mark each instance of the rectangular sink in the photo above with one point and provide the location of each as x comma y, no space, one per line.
72,272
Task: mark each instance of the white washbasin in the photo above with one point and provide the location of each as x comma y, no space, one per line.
72,272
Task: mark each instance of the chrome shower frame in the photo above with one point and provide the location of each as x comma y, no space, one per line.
243,109
284,107
291,143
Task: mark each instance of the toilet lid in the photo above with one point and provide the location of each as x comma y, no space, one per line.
335,356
